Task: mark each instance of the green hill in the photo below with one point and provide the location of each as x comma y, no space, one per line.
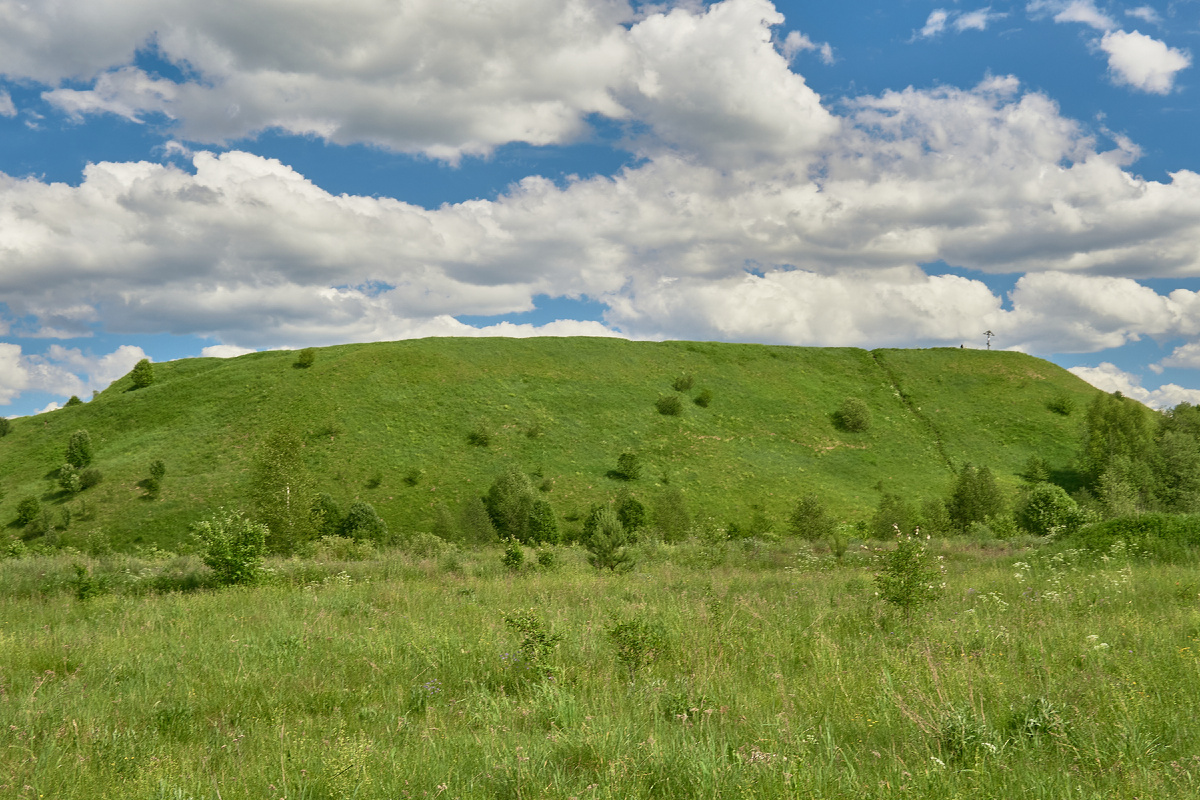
372,415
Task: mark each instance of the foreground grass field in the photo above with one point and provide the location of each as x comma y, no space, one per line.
763,671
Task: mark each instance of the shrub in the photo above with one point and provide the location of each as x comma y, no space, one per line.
683,383
894,513
513,556
606,542
475,523
1046,509
638,641
1036,470
975,497
90,477
5,426
1062,404
325,516
934,517
68,479
413,476
305,358
543,525
704,398
629,467
142,374
73,401
853,416
547,558
911,576
670,516
362,522
669,405
632,514
158,469
79,449
536,642
480,436
510,501
232,546
810,520
28,510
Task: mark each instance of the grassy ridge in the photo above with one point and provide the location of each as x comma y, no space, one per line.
564,408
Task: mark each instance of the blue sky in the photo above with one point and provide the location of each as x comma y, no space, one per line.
181,179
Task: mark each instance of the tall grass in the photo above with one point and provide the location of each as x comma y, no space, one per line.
1037,674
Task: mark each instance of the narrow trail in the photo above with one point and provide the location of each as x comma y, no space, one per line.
916,412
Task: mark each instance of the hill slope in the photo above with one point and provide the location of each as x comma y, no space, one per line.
372,414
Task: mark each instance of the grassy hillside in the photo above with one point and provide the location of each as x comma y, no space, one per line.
565,409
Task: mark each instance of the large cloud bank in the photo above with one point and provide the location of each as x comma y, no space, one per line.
755,210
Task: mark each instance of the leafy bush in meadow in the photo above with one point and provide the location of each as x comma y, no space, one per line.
704,398
669,405
810,519
853,416
911,576
142,374
79,449
306,358
28,510
683,383
974,498
1047,509
361,522
232,546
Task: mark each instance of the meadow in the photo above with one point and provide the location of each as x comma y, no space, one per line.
713,669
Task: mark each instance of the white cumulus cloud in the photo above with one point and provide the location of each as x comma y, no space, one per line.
1143,62
1111,378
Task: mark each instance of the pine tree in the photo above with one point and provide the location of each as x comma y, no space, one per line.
606,543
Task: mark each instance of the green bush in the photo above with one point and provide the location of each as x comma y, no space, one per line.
704,398
232,546
543,524
79,449
669,515
669,405
893,513
810,519
480,436
629,467
305,358
854,416
1046,509
363,523
1062,404
1170,537
535,641
325,516
142,374
90,477
158,469
632,514
28,510
73,401
911,575
683,383
513,557
68,479
639,642
5,426
510,502
974,498
475,523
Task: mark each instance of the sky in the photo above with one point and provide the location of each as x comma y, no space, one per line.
182,179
